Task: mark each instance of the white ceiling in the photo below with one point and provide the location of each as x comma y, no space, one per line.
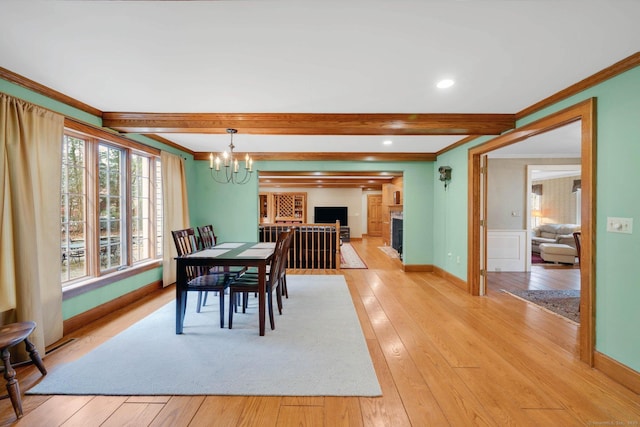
314,57
563,142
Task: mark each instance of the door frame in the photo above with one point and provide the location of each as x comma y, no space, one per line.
584,111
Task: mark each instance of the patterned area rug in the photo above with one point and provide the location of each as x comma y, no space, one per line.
349,258
536,259
563,303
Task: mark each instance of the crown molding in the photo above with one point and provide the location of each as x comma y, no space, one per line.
19,80
611,71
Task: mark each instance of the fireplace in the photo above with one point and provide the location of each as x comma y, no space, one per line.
396,235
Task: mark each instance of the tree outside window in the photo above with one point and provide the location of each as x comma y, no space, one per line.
73,209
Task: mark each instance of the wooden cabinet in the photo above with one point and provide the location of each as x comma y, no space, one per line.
282,207
265,206
290,207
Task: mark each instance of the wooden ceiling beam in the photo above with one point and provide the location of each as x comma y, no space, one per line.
310,123
369,180
320,174
315,156
313,182
330,184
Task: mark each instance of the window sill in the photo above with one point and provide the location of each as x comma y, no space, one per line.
88,285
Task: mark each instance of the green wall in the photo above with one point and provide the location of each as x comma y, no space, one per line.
617,269
84,302
233,209
450,213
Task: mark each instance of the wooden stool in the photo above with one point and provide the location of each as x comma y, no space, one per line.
11,335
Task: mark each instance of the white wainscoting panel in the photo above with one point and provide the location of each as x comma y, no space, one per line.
506,250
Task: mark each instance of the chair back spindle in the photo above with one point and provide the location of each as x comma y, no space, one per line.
186,243
207,236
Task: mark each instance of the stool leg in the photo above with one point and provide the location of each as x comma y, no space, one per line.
35,356
12,384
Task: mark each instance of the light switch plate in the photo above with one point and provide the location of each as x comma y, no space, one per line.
619,225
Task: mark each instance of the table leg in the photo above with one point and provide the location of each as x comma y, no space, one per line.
178,310
262,290
181,294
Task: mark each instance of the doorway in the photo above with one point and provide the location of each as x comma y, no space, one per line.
554,198
584,113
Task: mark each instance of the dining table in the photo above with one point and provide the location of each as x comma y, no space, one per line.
247,254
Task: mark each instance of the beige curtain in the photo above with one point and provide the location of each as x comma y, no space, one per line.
175,211
30,169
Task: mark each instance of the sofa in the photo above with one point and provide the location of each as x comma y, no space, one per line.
555,242
561,234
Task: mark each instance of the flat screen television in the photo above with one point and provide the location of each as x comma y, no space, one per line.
331,214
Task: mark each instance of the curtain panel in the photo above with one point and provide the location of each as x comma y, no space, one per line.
30,172
175,209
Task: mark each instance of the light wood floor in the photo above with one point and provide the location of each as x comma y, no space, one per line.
442,358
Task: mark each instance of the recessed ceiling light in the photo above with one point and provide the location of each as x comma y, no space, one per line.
446,83
387,142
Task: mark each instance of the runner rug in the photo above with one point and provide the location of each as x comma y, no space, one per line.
317,349
349,258
389,251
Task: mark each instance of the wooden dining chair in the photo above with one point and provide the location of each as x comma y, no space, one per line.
201,279
283,275
208,239
249,283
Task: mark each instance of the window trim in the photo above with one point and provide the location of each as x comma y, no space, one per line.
109,136
95,135
89,284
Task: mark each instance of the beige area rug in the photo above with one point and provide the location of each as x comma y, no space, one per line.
392,253
317,349
349,258
561,303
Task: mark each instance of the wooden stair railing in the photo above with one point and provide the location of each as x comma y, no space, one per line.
314,246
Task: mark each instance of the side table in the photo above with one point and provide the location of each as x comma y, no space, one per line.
10,335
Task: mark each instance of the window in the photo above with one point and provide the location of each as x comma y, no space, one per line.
111,206
112,203
536,205
159,222
73,209
140,204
